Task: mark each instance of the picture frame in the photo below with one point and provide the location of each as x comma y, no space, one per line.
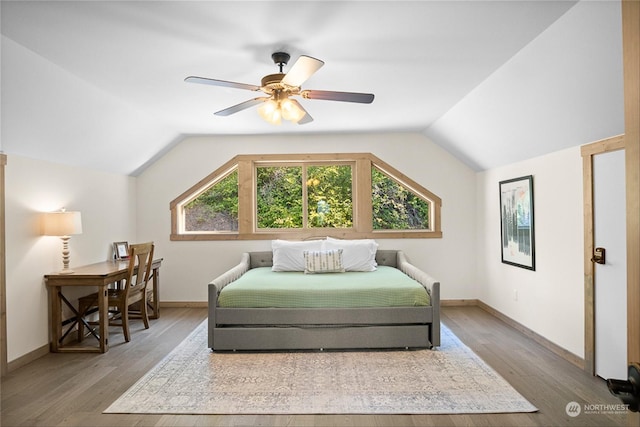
517,222
120,250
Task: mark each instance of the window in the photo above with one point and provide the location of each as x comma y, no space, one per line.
395,207
215,209
305,196
330,196
279,197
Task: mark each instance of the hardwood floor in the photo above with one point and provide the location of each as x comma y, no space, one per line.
74,389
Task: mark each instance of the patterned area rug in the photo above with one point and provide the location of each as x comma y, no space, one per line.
194,380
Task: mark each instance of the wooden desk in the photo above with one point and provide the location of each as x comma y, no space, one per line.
99,275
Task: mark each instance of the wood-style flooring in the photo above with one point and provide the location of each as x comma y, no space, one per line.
74,389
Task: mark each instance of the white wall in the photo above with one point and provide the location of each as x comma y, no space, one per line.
189,266
550,299
107,204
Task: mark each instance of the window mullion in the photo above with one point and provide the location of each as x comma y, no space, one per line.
305,199
362,206
246,197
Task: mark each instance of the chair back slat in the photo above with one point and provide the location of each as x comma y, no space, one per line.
140,255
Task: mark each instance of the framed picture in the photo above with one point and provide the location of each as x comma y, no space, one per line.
516,222
121,250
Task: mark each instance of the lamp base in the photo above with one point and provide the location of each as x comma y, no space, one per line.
65,256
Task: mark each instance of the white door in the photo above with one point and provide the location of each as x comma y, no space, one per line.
610,279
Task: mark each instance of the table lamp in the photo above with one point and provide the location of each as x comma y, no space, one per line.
62,224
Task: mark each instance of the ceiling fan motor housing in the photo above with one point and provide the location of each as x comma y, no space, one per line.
273,81
280,58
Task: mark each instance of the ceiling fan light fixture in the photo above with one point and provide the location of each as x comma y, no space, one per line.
270,111
291,111
278,108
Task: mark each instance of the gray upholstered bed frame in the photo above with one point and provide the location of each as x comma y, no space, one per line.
323,328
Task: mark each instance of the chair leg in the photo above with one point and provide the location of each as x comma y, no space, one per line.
144,312
125,322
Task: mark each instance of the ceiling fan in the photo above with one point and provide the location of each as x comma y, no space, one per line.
280,87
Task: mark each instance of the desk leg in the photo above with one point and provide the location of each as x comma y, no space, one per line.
55,311
156,294
103,308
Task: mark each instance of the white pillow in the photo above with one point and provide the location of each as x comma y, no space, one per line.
323,261
289,256
357,255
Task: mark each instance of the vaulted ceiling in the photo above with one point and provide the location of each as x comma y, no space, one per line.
101,84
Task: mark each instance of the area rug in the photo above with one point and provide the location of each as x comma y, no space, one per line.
193,380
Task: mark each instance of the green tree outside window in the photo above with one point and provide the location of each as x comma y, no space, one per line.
395,207
279,197
216,209
329,196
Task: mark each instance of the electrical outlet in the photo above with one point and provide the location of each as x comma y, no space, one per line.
515,295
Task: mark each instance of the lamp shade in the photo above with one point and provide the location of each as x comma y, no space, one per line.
61,223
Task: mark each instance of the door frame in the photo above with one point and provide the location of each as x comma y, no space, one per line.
588,151
3,281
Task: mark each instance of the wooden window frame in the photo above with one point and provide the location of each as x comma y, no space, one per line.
362,207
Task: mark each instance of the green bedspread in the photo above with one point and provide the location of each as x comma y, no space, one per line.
385,287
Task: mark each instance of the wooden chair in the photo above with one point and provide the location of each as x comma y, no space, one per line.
134,291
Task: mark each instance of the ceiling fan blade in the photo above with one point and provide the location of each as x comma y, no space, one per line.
363,98
304,68
307,117
242,106
214,82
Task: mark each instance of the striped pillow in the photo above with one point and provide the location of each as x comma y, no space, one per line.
323,261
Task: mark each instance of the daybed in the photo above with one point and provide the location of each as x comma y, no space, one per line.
299,328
